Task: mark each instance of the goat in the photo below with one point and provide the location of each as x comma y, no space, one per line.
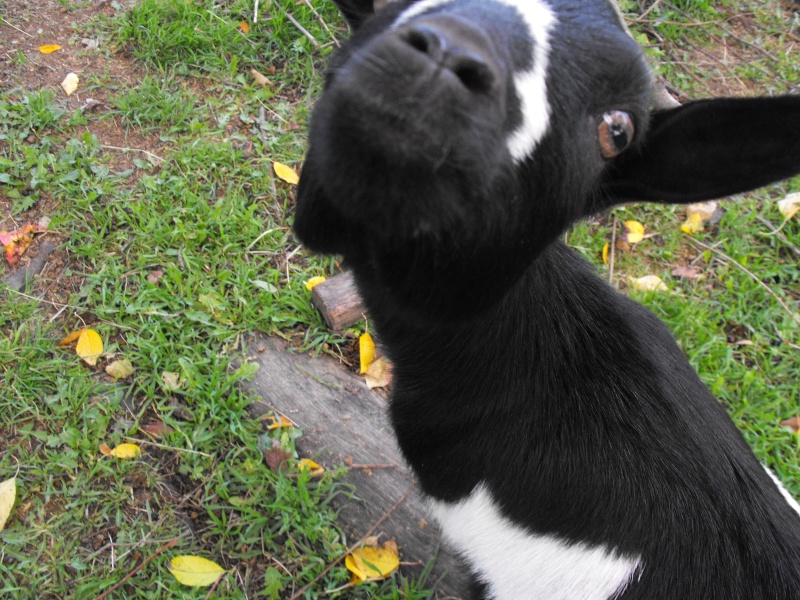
567,448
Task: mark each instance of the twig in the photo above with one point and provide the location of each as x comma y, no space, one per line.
106,146
300,27
371,466
778,234
17,28
755,278
611,250
255,13
321,20
385,516
162,446
166,546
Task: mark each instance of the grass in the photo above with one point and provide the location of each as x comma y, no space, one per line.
174,251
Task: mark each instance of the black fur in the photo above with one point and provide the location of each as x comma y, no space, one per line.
515,365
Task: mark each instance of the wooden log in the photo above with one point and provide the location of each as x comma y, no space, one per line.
338,301
343,421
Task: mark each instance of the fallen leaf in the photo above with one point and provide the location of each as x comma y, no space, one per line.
649,283
686,272
306,464
49,48
154,276
633,231
71,337
8,494
265,285
195,571
90,346
278,423
366,351
314,281
156,428
89,43
70,83
275,457
120,369
606,248
379,373
794,423
121,451
17,241
172,381
790,205
371,562
286,173
262,80
244,27
697,214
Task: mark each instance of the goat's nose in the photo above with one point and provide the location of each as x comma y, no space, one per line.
466,63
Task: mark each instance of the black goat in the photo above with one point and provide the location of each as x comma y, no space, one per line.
455,141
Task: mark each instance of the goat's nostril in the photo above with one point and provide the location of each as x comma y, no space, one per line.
474,73
426,40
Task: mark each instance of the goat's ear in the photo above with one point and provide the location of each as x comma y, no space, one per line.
709,149
317,222
356,11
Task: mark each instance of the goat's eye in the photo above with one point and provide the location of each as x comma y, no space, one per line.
615,133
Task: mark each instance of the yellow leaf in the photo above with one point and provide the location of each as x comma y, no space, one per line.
8,494
306,464
366,350
605,253
122,451
70,83
105,449
49,48
790,205
195,571
649,283
71,337
244,27
90,346
276,423
371,562
172,381
693,224
704,209
285,172
635,231
379,373
120,369
314,281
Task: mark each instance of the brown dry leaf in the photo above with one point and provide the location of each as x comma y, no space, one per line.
366,351
286,173
120,369
379,373
632,233
154,276
686,272
263,81
105,449
790,205
172,381
373,562
71,337
70,83
49,48
794,423
275,457
156,428
244,27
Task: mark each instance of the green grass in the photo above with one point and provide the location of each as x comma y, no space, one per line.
173,251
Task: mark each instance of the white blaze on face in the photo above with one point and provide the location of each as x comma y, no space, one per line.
517,564
531,85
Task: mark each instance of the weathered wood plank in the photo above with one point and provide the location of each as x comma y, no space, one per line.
338,301
342,418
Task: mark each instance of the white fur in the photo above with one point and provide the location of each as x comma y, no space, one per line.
784,492
531,85
517,564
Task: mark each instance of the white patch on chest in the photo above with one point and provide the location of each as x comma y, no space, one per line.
516,564
784,492
531,85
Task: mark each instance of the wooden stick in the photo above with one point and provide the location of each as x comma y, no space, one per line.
386,515
166,546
